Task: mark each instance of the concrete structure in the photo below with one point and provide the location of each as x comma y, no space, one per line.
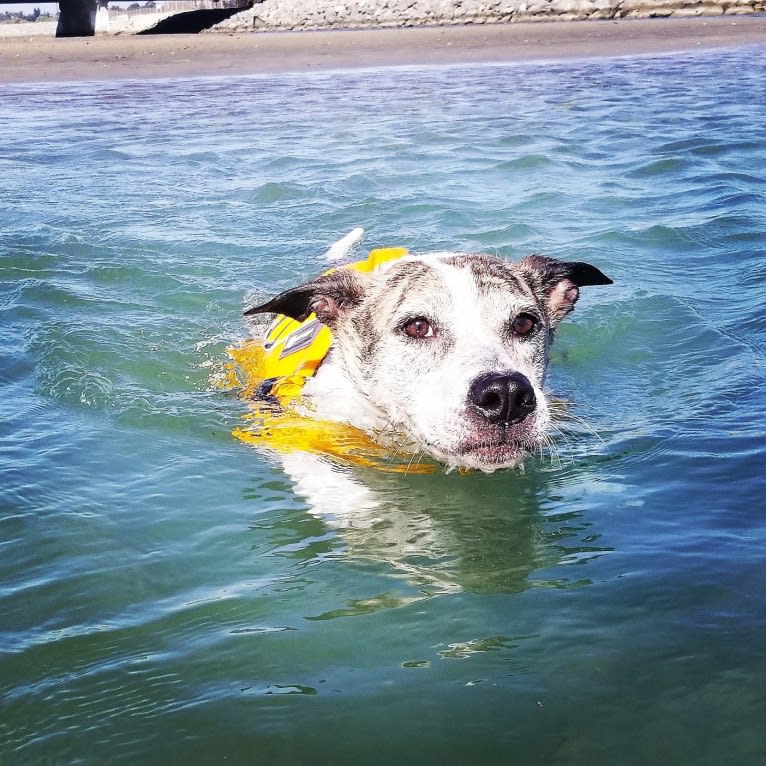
85,18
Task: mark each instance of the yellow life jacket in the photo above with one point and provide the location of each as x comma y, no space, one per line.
275,370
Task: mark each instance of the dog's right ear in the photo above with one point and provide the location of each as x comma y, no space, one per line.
327,297
559,282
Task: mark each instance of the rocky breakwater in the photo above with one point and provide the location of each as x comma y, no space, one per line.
340,14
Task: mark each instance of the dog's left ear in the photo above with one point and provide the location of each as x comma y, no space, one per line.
559,282
326,296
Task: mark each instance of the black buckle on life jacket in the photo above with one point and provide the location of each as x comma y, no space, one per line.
263,392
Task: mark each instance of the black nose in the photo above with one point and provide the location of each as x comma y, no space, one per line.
502,397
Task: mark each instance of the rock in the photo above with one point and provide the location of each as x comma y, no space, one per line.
326,14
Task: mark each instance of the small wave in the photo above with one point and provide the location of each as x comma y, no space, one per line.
78,386
666,166
526,162
273,192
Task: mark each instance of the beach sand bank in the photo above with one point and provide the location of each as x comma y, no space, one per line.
38,59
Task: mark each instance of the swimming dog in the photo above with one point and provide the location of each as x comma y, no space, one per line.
446,352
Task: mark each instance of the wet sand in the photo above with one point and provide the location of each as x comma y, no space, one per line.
45,59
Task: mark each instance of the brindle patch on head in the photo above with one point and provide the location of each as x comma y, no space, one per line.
491,274
409,285
406,280
366,326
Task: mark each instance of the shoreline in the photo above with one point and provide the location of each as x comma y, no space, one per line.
37,59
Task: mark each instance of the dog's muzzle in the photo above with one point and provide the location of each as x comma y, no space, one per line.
503,398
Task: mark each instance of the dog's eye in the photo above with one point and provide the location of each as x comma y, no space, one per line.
419,327
523,324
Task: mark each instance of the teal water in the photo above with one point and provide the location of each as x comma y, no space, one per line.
168,596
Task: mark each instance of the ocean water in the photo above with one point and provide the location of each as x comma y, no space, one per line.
169,595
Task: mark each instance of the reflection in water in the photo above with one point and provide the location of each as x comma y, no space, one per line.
443,533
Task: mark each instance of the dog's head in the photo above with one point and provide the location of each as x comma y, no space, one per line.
451,349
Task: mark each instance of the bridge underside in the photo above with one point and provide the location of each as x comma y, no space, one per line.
78,18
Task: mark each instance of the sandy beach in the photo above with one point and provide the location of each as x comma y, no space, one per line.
36,59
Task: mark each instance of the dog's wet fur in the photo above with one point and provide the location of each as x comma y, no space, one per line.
445,351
